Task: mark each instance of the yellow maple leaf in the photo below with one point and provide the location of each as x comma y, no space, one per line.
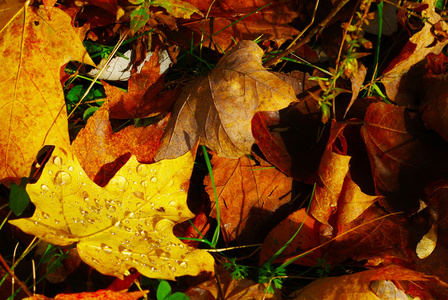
128,223
32,106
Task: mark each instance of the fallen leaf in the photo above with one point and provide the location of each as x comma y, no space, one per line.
222,285
9,9
419,46
307,238
33,111
370,239
98,295
404,155
355,286
294,139
126,224
270,23
434,106
218,109
102,152
177,8
143,98
428,243
248,196
331,173
357,79
352,202
125,283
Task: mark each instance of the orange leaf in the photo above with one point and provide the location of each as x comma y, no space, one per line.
357,286
307,238
33,109
102,153
98,295
248,196
140,101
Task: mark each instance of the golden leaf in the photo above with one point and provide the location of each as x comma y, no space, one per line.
127,224
32,107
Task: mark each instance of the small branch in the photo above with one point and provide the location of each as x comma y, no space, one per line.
308,37
11,273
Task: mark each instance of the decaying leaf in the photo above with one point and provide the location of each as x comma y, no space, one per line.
218,109
32,107
419,46
128,223
248,196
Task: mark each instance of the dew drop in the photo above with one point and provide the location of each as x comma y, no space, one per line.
62,178
138,194
83,212
70,168
171,183
106,248
45,215
153,179
45,188
183,265
50,172
124,251
111,208
86,198
118,184
142,170
57,160
144,183
173,269
172,203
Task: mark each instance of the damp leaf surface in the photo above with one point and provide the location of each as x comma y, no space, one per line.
127,224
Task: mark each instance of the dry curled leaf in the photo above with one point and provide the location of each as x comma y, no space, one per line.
128,223
218,109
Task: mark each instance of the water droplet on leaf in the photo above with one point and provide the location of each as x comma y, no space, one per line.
62,178
138,194
57,160
106,248
117,184
142,170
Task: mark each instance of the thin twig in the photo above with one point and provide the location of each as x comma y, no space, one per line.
308,37
11,273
